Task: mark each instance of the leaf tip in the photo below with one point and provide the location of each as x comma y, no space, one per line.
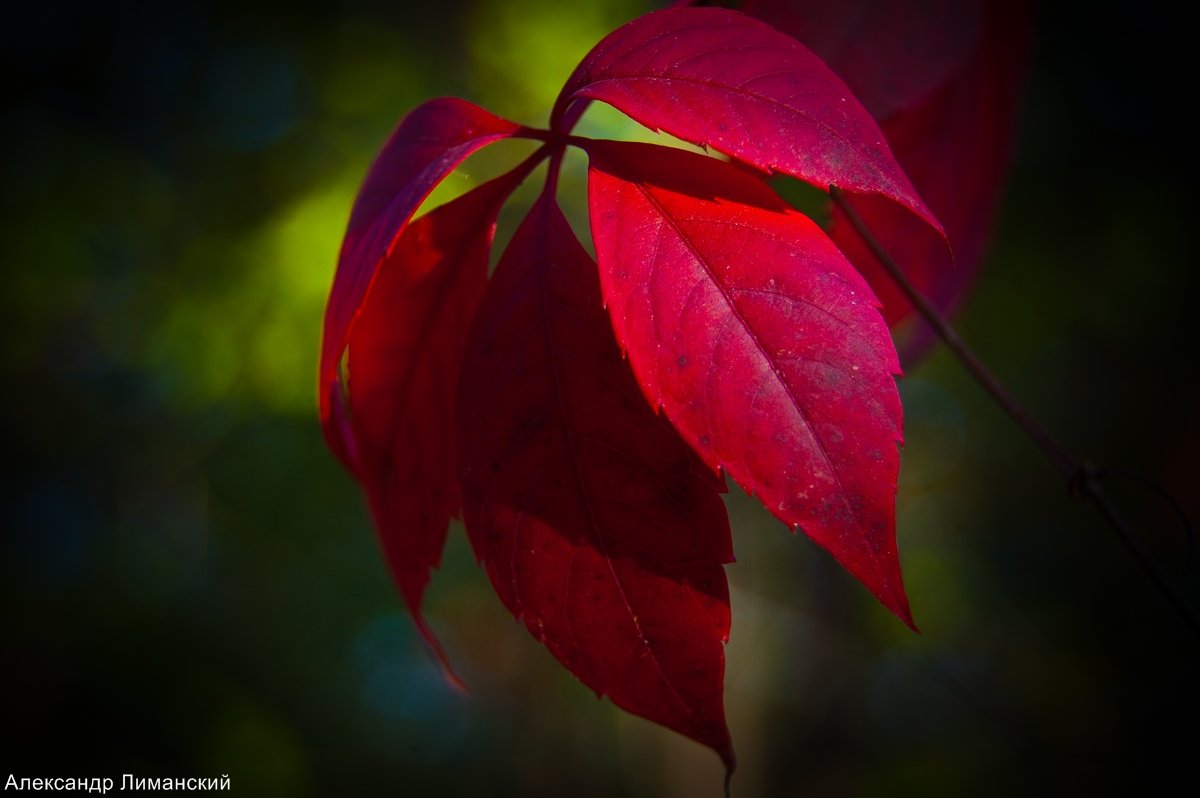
883,578
439,655
897,603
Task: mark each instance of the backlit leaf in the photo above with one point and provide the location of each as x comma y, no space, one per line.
942,78
405,353
723,79
598,526
761,342
426,146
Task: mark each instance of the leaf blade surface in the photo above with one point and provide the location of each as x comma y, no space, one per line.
943,79
598,526
405,353
425,147
760,341
722,79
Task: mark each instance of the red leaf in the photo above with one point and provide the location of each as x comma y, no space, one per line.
956,148
433,139
405,352
719,78
760,341
893,54
943,81
598,526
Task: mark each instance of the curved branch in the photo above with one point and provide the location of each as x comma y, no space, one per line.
1082,476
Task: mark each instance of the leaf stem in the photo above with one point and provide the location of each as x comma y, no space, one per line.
556,159
572,115
1082,476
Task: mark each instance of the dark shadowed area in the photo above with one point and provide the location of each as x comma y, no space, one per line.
190,583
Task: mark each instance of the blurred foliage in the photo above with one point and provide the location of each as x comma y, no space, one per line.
191,586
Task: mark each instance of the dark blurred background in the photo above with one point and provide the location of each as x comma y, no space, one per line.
190,582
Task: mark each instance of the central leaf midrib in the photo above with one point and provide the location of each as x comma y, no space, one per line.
887,182
750,333
577,471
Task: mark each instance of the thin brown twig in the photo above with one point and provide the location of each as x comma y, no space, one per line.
1082,476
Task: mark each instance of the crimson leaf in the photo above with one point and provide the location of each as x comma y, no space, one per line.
405,352
941,77
720,78
596,523
599,520
434,138
402,299
893,54
955,146
761,342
